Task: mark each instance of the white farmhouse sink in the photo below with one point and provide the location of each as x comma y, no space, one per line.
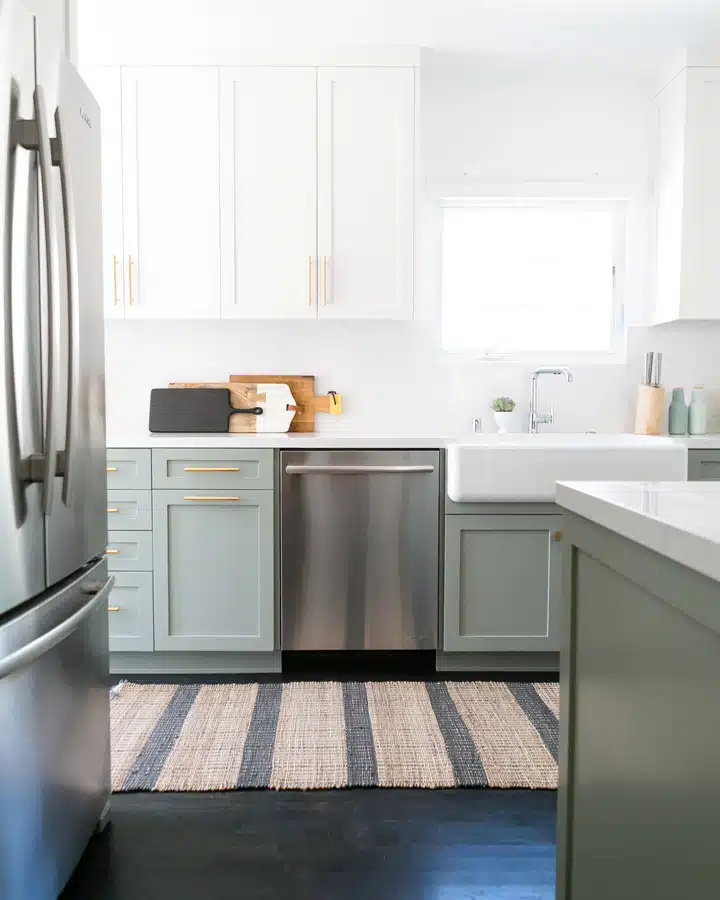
525,467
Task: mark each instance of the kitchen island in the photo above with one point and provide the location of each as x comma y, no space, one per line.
639,800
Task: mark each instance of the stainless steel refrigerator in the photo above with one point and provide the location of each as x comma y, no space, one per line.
54,585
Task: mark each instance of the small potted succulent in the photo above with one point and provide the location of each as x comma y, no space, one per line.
503,409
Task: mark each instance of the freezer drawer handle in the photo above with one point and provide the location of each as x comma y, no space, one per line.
359,470
27,655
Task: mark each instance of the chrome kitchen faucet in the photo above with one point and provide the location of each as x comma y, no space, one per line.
538,418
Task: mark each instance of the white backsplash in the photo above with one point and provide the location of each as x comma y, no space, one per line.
480,126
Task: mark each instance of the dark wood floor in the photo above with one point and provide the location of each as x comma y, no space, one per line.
324,845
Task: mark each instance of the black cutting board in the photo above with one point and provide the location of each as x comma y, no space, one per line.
193,409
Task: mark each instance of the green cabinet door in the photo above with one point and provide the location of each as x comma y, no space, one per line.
213,570
503,583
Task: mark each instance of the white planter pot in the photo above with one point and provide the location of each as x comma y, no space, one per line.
503,421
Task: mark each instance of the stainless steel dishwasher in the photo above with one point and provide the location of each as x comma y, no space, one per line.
359,549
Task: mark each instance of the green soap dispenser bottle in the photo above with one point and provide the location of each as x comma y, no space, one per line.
678,415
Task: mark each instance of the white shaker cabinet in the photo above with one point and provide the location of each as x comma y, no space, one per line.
105,83
171,192
366,185
268,200
687,196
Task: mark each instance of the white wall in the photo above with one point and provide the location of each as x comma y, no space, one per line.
57,18
477,124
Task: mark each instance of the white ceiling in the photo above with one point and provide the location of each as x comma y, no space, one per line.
626,34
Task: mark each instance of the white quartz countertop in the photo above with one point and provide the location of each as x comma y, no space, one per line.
679,520
319,440
314,441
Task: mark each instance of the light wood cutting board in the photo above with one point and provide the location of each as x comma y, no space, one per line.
303,390
278,404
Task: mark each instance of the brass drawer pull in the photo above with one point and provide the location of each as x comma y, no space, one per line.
115,293
557,536
111,469
113,509
130,284
111,552
212,468
202,499
113,609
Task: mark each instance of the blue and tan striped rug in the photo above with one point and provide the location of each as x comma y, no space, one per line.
313,735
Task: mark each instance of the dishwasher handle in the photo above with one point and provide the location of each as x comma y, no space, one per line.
360,470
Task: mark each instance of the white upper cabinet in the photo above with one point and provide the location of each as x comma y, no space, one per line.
171,192
268,138
259,192
687,196
104,82
366,185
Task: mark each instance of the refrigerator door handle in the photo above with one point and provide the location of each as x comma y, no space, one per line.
33,135
60,158
27,655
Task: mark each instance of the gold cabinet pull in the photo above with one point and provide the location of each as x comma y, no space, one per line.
111,469
325,280
212,468
113,609
113,509
557,536
116,299
110,552
310,281
130,292
202,499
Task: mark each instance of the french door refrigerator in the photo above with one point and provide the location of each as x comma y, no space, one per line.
54,585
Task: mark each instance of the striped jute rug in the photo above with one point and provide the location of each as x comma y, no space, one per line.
310,735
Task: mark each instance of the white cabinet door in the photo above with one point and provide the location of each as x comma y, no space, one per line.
703,192
171,192
105,83
366,181
687,197
268,160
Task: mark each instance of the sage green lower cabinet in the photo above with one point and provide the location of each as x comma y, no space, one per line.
213,569
130,612
503,582
704,465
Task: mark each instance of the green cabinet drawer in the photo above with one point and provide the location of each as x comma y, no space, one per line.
129,511
130,551
704,465
130,612
128,469
503,583
213,570
211,469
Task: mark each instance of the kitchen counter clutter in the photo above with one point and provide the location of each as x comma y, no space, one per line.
678,520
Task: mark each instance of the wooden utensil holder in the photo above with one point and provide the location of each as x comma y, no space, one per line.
649,409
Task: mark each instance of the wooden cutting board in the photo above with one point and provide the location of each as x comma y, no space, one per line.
273,398
303,390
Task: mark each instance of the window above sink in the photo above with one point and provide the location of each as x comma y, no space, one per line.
528,277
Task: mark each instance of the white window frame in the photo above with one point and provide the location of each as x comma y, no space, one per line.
553,196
